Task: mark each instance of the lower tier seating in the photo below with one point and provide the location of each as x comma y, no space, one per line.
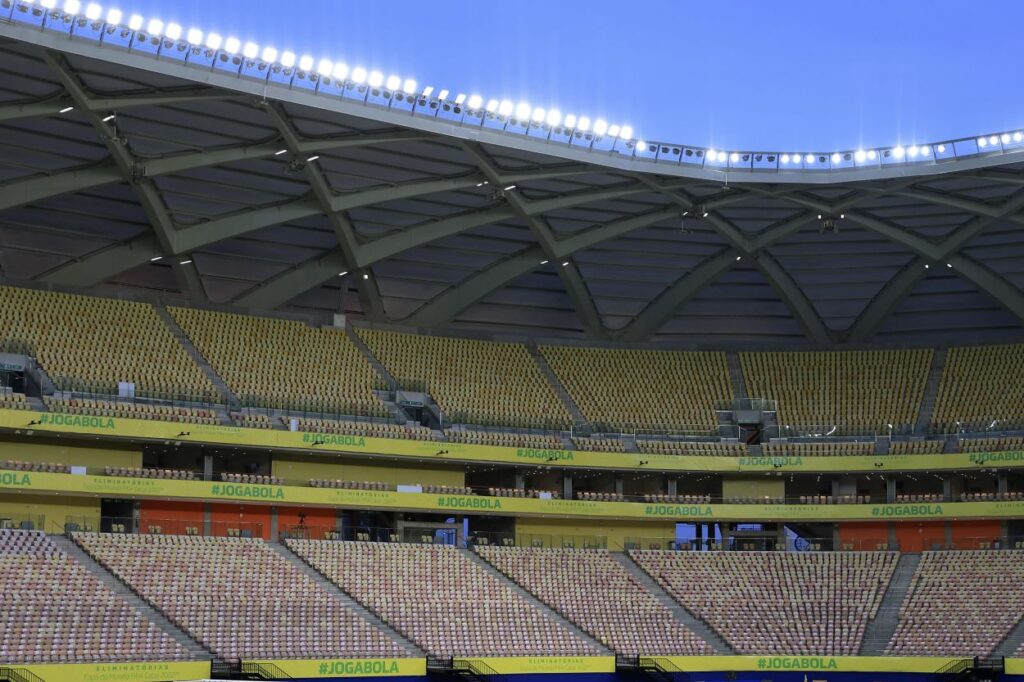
595,444
590,588
366,429
960,603
441,598
54,610
831,449
992,444
916,447
238,596
692,447
9,400
508,440
778,602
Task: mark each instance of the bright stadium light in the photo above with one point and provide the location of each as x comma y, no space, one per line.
627,132
135,22
194,36
506,108
926,150
428,91
899,152
155,27
393,83
287,59
306,63
359,75
114,16
523,110
570,120
1005,138
409,86
269,55
872,155
836,157
1017,136
584,124
600,127
93,11
460,98
72,6
213,41
173,31
250,50
982,142
859,156
443,95
993,140
492,106
941,149
48,4
325,67
913,151
554,118
232,45
784,158
734,157
538,114
376,79
613,131
641,146
340,71
475,101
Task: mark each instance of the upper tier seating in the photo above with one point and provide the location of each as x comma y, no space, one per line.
479,382
44,467
980,384
623,390
97,342
441,599
284,363
778,602
695,447
960,603
830,449
516,492
595,444
504,439
849,389
54,610
591,589
238,596
992,444
9,400
251,479
131,472
916,447
350,485
131,410
364,428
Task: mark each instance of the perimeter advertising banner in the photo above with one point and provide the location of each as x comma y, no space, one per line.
525,665
348,667
119,672
837,664
215,491
116,427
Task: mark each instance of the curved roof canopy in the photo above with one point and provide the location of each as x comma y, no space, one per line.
118,169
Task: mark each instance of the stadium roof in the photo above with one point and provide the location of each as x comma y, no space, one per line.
120,169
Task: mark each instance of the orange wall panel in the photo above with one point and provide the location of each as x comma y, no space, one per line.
863,536
975,534
171,517
316,522
228,517
921,537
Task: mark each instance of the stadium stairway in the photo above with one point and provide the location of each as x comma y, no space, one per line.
342,596
556,385
80,556
230,399
397,411
698,626
931,390
1012,642
739,384
880,629
537,603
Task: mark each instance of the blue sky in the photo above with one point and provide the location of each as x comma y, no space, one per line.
770,75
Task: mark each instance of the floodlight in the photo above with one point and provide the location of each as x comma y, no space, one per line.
213,41
872,154
340,71
926,150
982,142
194,36
475,101
836,158
325,67
1005,138
269,55
899,152
48,4
859,156
941,149
460,98
428,91
913,151
506,108
376,79
443,95
600,127
72,6
523,110
305,63
570,120
409,86
993,140
554,117
287,59
734,157
250,50
613,130
135,23
809,158
155,27
232,45
627,132
393,82
359,75
784,158
114,16
538,115
173,31
584,124
93,11
641,146
492,106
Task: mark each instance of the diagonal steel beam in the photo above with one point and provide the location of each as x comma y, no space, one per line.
577,289
51,105
899,287
305,276
150,199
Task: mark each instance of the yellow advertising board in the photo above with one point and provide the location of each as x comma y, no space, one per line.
23,421
345,667
838,664
1014,666
158,671
523,665
216,491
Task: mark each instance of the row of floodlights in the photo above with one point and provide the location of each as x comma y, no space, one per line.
324,68
528,115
